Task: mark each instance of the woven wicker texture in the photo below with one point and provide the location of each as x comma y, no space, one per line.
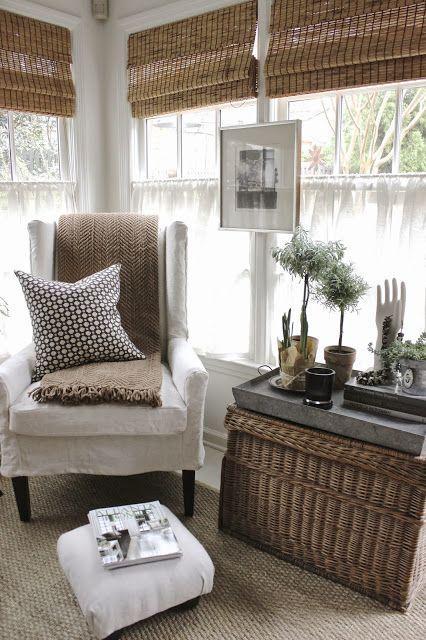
195,62
322,45
35,66
87,243
352,511
256,596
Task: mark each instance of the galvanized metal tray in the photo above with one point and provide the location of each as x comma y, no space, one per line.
258,395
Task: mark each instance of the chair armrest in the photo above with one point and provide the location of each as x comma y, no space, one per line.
15,376
188,373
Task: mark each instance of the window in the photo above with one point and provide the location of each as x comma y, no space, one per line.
32,186
318,133
412,155
29,148
366,132
198,144
238,114
162,156
182,151
363,156
185,146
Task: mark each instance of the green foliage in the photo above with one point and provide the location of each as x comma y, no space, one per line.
340,288
393,354
368,131
304,328
306,259
413,153
303,256
413,131
287,329
35,140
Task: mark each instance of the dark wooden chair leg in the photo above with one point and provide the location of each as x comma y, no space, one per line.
22,496
188,480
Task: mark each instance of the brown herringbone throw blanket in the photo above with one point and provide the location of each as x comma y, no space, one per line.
87,243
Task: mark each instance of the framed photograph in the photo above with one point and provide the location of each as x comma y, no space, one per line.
260,176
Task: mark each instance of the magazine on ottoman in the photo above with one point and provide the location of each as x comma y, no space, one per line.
133,534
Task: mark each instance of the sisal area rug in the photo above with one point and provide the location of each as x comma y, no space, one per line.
256,596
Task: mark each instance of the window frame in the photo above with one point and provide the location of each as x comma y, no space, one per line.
140,146
13,175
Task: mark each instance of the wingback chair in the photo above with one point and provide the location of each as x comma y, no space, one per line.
109,439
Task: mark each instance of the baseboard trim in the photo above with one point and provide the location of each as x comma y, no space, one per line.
215,439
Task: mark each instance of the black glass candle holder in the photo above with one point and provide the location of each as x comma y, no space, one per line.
319,387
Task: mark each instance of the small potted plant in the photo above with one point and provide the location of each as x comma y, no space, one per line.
288,355
306,259
340,289
409,358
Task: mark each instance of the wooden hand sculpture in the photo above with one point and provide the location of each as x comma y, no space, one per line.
394,307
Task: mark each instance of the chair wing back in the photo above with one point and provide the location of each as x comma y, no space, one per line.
172,272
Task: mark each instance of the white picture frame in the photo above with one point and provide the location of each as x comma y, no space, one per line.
260,167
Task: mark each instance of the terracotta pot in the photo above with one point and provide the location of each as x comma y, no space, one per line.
342,363
293,363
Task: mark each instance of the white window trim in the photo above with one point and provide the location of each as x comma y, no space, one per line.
139,148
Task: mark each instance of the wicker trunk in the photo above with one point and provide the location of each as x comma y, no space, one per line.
353,512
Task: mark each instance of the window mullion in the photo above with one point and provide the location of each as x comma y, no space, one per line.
217,140
179,146
281,110
338,134
258,240
397,134
146,158
12,149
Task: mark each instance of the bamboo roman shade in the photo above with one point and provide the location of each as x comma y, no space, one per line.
318,45
204,60
35,66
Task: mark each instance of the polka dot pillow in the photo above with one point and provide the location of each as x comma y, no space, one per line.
76,323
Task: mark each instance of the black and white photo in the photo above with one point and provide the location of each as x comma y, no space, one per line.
260,176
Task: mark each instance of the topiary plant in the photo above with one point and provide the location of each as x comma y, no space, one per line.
306,259
340,289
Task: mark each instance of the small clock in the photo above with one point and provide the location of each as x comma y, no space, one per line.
408,378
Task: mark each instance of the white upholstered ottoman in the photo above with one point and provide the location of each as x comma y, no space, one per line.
113,599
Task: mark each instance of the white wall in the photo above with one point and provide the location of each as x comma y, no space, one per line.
223,376
124,8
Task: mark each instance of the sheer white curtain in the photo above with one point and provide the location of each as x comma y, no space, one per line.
382,222
20,203
219,276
